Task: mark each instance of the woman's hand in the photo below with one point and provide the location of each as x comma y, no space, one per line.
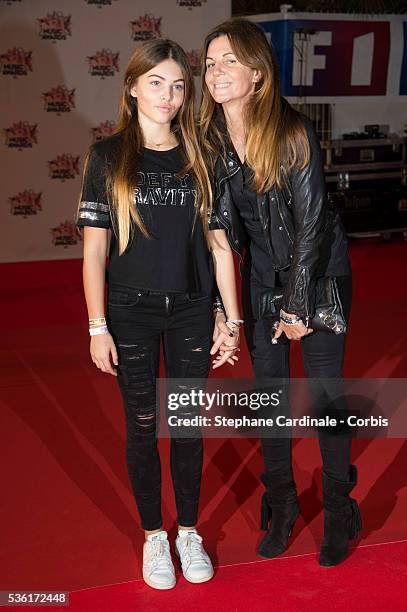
103,352
293,332
225,341
220,325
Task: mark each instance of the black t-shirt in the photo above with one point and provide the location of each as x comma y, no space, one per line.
175,257
245,199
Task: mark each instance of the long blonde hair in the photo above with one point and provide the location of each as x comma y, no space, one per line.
275,134
121,181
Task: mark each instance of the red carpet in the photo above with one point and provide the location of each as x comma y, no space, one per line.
68,517
373,578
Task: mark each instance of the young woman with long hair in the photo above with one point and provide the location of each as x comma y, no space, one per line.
269,191
148,184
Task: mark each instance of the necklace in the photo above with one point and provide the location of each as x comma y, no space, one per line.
171,140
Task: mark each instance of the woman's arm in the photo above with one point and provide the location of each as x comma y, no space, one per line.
226,281
102,347
94,265
309,214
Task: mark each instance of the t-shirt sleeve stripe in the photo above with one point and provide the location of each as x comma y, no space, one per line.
94,208
94,214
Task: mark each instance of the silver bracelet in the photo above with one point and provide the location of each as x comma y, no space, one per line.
97,331
288,321
234,325
218,306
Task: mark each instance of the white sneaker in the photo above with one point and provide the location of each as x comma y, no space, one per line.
195,563
158,569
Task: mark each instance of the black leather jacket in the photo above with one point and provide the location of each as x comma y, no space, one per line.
303,234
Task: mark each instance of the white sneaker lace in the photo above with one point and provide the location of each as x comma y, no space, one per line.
193,551
158,555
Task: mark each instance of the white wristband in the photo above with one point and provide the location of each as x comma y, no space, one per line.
97,331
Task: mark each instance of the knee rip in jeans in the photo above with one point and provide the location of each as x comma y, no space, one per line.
201,344
197,362
141,412
138,351
137,381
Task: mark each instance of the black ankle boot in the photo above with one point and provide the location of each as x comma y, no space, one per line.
342,519
279,505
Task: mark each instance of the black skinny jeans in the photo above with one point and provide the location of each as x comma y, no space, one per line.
137,320
323,356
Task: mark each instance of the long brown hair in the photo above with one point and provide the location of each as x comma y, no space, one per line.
275,134
121,182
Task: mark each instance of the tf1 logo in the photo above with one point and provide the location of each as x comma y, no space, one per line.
335,58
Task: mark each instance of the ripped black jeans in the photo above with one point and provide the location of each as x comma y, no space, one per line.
138,320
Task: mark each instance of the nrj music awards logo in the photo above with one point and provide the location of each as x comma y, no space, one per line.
104,63
63,167
25,203
190,4
59,100
55,26
65,234
16,62
21,135
146,27
194,61
103,130
100,3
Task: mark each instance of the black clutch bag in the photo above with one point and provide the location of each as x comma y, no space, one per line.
328,308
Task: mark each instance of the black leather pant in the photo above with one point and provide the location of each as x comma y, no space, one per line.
138,320
323,356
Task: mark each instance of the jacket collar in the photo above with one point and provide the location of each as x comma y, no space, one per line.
226,165
225,168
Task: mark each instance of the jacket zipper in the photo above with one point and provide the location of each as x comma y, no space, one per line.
288,185
260,201
307,316
305,297
282,218
336,291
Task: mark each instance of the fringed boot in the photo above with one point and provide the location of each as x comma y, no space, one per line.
279,505
342,519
